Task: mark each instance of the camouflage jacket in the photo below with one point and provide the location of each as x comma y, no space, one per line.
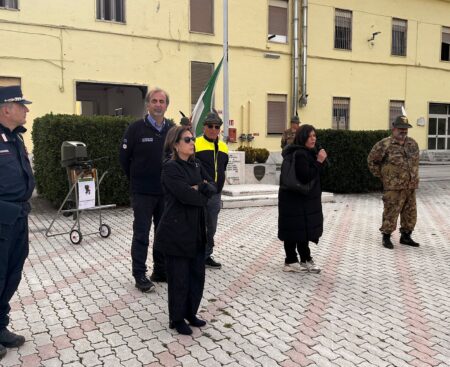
287,137
396,165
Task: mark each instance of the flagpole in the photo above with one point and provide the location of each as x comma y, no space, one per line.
225,70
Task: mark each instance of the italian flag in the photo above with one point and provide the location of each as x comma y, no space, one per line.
204,103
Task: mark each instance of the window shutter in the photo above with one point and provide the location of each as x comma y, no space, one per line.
201,16
276,114
200,74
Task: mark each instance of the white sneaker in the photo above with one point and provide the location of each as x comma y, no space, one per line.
293,268
312,267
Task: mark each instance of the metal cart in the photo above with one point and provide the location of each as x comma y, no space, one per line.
83,180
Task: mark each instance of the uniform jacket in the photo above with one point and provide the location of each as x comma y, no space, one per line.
287,137
396,165
300,216
214,158
182,228
16,177
141,155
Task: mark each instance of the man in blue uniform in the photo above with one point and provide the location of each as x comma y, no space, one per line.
16,186
141,156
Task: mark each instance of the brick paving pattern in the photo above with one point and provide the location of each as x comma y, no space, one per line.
77,305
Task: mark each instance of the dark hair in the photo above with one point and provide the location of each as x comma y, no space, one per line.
173,136
302,134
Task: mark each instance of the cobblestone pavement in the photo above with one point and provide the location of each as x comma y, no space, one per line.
77,305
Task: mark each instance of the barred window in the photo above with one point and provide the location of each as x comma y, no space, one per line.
111,10
9,4
278,21
202,16
395,110
341,113
399,37
343,29
200,74
276,113
445,45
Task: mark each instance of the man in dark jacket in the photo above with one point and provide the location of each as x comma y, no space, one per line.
16,186
141,159
213,154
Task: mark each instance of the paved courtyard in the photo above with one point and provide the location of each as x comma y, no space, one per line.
77,305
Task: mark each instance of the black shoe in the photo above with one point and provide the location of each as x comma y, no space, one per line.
405,239
10,340
144,284
2,351
387,241
195,321
210,263
181,327
158,277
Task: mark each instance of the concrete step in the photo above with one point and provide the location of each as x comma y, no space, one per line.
245,196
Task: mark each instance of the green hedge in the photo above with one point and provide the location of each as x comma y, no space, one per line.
102,136
347,155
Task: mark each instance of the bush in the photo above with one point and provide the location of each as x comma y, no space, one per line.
102,136
347,171
252,155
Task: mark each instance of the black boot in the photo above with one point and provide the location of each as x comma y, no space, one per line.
387,241
405,239
2,351
10,340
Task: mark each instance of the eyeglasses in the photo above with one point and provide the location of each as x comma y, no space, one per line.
188,139
211,126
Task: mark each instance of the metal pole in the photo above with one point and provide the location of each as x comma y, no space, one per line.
225,70
295,59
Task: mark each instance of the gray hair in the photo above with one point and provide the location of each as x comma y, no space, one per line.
156,90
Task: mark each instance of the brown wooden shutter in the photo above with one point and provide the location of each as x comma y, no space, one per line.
278,20
276,114
200,74
201,16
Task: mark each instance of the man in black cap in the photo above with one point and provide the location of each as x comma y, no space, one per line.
395,160
16,186
213,154
289,134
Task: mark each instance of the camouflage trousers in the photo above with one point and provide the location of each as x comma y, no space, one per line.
399,202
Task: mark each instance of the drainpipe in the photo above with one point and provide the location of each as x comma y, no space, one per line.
304,97
295,59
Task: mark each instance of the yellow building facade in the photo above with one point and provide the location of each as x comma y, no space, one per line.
101,56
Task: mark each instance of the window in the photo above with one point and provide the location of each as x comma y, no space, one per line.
9,4
112,10
445,45
395,110
201,16
341,113
399,36
278,21
276,113
343,29
200,74
6,81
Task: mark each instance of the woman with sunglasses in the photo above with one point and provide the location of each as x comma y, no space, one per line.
181,233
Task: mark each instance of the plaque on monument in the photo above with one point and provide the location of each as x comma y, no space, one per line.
259,172
235,173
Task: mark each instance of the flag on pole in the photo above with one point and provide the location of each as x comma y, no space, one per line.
204,103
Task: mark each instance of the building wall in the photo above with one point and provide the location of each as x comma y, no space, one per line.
51,45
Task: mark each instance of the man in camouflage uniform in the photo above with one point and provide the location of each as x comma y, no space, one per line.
395,160
289,134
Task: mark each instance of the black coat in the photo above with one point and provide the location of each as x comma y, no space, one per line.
182,228
300,216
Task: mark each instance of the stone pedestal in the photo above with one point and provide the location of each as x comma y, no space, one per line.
235,173
260,174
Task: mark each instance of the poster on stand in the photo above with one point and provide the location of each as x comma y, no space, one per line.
86,193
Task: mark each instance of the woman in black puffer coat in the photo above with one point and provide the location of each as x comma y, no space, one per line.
300,217
181,232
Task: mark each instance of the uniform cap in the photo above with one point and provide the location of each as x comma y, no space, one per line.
185,121
401,122
213,118
295,120
12,93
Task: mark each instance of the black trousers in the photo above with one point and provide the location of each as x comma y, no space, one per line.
13,252
145,207
185,281
291,255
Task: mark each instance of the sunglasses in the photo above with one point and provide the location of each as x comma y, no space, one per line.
188,139
211,126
